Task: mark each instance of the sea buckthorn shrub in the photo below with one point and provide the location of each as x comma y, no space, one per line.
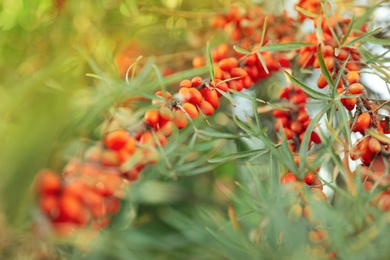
174,168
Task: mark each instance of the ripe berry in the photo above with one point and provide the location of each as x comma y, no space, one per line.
321,82
48,183
180,119
206,108
374,145
196,81
356,89
288,178
314,137
116,140
151,117
211,96
191,110
196,96
165,114
186,84
353,77
362,122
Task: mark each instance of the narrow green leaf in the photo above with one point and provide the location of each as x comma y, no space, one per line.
241,50
210,60
305,12
239,155
227,96
338,77
384,42
212,133
288,46
303,150
361,38
309,91
262,61
366,16
254,107
350,26
244,126
327,20
324,69
263,31
160,80
380,137
343,121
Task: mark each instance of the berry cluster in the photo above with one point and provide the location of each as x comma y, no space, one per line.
246,26
89,198
371,151
295,119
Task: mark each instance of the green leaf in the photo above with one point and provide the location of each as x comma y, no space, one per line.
262,61
306,13
324,69
381,137
240,155
350,26
210,60
303,150
384,42
288,46
338,77
263,31
309,91
232,101
215,134
362,38
241,50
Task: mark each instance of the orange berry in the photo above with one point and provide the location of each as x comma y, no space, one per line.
309,178
147,138
329,62
206,108
191,110
48,183
296,127
109,158
211,96
374,145
152,117
166,129
238,72
223,86
49,206
159,93
198,62
352,67
362,122
321,82
328,51
196,96
70,208
196,81
180,119
225,64
289,177
165,114
116,140
185,94
353,77
343,54
356,89
186,83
